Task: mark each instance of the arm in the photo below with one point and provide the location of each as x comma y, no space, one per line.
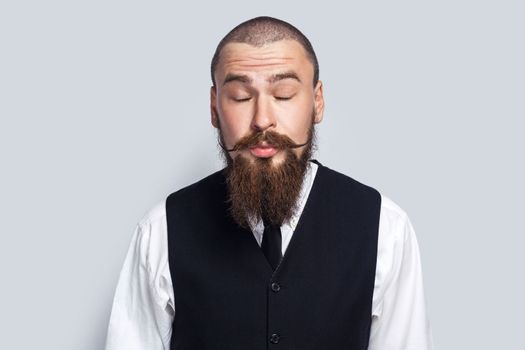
142,310
399,320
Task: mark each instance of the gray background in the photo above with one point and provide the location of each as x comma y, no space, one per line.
104,112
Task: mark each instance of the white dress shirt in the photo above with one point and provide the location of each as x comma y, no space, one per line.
144,304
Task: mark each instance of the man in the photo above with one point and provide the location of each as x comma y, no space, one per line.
276,250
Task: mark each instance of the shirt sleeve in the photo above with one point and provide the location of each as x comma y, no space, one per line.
142,310
399,319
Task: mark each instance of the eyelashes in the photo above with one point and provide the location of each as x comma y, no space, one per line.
245,99
278,98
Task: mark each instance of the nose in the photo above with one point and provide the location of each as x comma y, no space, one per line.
263,116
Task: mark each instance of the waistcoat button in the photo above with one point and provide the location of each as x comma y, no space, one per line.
276,287
274,338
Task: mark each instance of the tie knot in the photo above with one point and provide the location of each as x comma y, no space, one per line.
268,223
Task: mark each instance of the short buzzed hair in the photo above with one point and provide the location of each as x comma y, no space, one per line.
263,30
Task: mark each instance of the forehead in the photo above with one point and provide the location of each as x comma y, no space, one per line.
279,56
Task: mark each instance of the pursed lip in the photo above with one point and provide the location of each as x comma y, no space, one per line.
263,150
263,144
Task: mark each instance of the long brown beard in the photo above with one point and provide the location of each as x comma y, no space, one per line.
258,188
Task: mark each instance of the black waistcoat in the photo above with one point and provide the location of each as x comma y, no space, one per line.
320,297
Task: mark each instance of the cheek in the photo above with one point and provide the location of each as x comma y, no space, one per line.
296,122
234,124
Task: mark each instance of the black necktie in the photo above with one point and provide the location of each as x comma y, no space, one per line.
271,243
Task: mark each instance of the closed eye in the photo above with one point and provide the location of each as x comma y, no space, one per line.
283,98
242,99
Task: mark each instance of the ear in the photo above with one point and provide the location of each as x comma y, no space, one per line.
213,107
318,102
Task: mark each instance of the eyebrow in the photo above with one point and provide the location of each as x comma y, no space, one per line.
243,78
236,77
281,76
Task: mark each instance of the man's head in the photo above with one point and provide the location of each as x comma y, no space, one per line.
265,100
263,30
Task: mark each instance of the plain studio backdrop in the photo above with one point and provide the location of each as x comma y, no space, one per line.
104,110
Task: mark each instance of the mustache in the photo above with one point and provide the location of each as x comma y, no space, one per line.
271,137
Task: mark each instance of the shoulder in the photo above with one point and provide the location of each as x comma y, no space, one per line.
151,229
336,177
394,222
391,212
149,241
152,224
156,213
342,186
211,183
